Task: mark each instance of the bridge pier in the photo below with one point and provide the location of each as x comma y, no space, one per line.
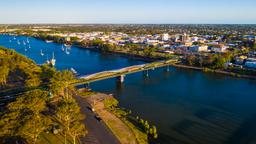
120,78
145,73
87,85
167,69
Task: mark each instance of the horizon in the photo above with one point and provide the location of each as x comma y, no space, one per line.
128,12
127,23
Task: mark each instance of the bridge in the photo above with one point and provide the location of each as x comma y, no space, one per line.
121,73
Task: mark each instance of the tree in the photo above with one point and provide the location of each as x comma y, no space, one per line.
4,72
69,117
148,51
24,117
77,129
60,82
191,60
34,126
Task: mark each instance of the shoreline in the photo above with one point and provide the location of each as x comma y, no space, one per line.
232,74
123,130
148,59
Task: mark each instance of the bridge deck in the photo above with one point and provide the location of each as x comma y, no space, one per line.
124,71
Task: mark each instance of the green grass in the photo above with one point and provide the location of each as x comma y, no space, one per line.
86,94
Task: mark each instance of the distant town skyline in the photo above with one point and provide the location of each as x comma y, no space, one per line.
128,11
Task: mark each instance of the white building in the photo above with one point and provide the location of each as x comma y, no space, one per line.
198,48
219,48
250,63
165,37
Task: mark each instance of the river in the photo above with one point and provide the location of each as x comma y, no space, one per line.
187,106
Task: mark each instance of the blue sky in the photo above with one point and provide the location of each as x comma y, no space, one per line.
128,11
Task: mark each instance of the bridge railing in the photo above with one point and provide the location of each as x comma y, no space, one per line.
126,70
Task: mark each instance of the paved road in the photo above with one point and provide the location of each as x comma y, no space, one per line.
99,133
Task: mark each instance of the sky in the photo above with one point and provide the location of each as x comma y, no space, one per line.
128,11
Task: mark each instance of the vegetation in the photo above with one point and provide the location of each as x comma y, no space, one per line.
69,117
46,104
140,130
213,61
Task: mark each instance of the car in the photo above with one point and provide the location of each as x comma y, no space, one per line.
91,109
98,117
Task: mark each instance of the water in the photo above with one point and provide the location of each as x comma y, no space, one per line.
188,107
82,60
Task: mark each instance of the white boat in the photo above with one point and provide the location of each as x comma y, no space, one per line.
73,71
26,49
29,47
41,53
18,42
62,48
24,43
67,46
10,41
48,41
27,40
53,60
67,52
47,60
14,38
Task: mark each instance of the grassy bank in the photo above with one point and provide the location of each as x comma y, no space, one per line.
208,70
115,118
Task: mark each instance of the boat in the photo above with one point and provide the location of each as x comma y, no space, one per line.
24,43
10,41
48,41
62,48
18,42
27,40
29,47
41,53
67,52
47,60
53,60
73,71
67,46
26,49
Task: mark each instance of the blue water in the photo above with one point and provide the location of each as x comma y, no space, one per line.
188,107
82,60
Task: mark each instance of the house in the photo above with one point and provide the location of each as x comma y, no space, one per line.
219,48
250,63
240,60
165,37
188,43
197,48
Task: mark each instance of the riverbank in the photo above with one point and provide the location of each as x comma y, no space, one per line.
152,59
125,131
215,71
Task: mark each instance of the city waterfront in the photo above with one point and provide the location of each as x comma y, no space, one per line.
186,106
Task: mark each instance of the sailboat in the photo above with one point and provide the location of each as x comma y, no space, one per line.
47,60
41,53
62,48
67,46
73,71
67,52
53,60
48,41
